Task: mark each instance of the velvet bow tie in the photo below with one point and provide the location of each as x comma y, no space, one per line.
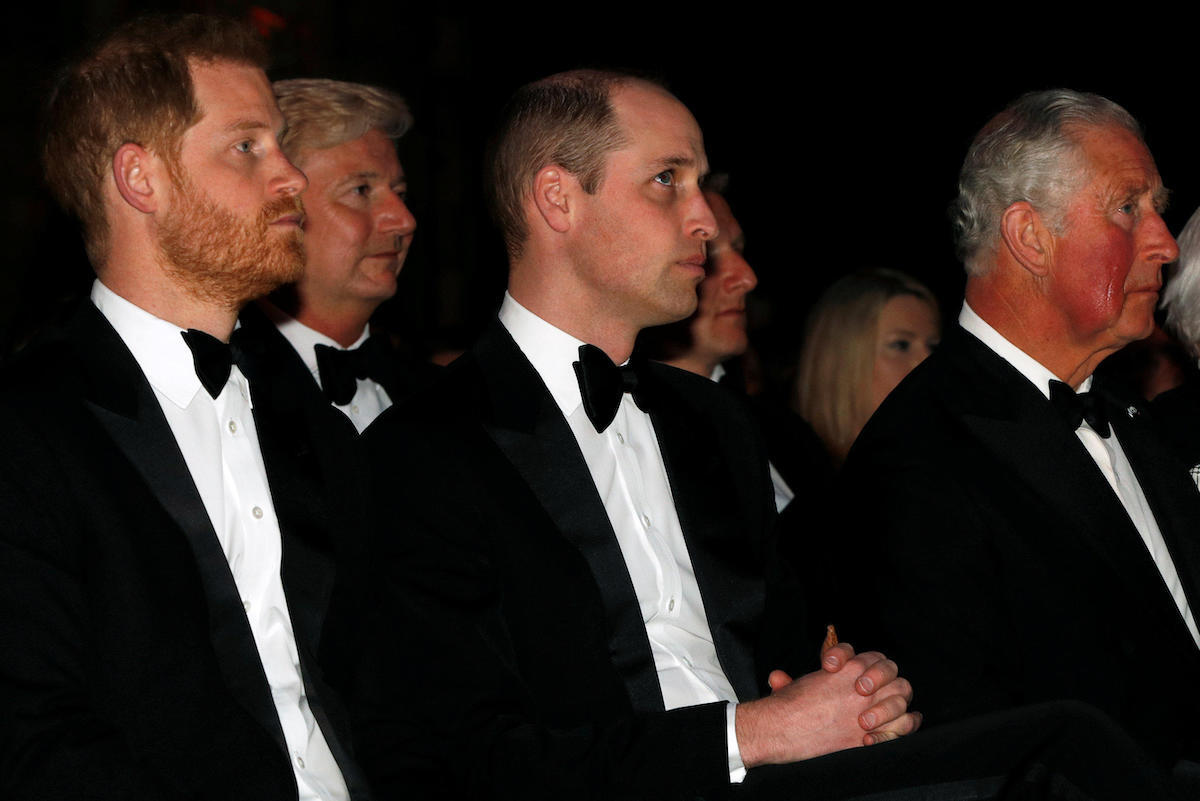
602,384
341,369
212,358
1074,408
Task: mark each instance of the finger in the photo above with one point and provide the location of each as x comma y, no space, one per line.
899,686
888,710
778,680
906,724
876,676
837,657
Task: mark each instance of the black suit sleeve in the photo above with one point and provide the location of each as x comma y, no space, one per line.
56,742
918,579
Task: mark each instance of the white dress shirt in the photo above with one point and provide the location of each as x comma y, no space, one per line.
370,398
1106,453
627,468
220,446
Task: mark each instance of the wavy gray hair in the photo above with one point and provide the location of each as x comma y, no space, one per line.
322,113
1030,152
1182,296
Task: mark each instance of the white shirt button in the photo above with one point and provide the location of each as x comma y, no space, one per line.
671,605
354,408
246,605
257,512
233,426
300,761
646,521
620,438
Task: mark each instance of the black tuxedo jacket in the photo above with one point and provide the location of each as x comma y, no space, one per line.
1178,410
523,668
127,667
1003,568
289,373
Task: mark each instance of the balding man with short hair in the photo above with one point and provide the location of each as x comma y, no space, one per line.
1035,539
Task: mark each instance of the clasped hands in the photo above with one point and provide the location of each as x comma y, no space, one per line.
852,701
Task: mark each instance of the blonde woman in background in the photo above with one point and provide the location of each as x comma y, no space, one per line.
866,332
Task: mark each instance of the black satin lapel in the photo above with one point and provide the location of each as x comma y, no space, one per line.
142,434
1172,496
529,428
731,586
1036,447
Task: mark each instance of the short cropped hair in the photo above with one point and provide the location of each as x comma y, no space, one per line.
135,85
1028,152
1182,296
837,360
566,119
322,113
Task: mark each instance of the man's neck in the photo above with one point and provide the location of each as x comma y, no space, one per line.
158,295
344,323
694,363
1040,335
612,335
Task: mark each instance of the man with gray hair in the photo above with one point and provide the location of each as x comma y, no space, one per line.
356,235
1035,539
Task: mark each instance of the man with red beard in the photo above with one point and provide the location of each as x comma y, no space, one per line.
165,562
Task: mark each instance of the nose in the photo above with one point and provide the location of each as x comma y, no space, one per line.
701,222
1159,245
741,277
393,216
288,179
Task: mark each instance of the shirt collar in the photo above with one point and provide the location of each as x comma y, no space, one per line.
302,338
550,350
1025,364
156,345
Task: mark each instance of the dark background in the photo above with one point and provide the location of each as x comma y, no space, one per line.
842,131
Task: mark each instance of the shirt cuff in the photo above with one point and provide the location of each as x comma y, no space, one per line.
737,768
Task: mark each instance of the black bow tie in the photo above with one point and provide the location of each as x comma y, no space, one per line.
213,358
341,369
602,383
1074,408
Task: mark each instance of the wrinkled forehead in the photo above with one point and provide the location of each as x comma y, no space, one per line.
1115,155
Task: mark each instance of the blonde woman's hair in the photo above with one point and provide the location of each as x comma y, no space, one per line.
837,361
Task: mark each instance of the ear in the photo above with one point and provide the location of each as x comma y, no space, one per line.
135,171
1027,238
552,194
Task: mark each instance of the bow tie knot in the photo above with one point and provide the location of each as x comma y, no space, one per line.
1075,408
213,359
602,385
340,370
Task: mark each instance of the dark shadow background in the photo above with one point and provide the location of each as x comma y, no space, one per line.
843,131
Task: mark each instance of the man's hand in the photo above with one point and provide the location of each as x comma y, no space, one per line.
851,701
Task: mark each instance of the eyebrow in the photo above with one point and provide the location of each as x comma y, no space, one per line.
368,174
1162,198
676,161
247,125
